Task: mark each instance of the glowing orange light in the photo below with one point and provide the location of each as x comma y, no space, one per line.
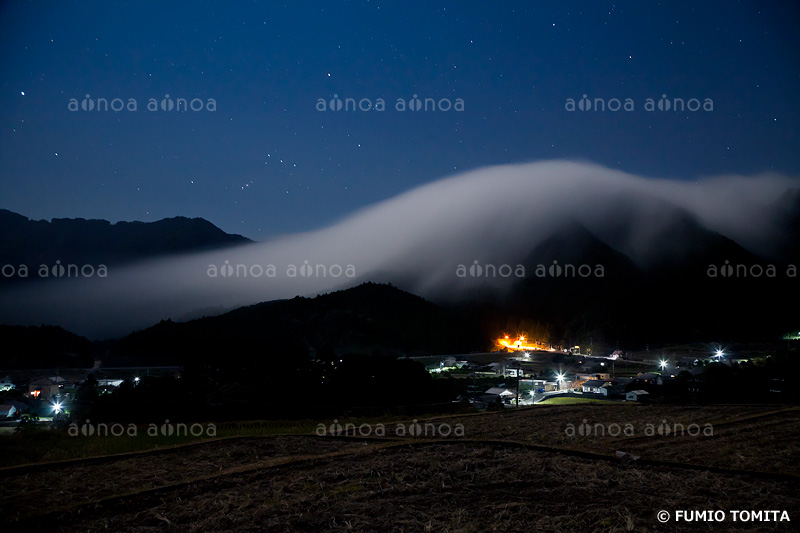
520,344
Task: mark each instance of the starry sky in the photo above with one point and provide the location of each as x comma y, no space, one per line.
260,158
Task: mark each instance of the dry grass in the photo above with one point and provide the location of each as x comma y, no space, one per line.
307,483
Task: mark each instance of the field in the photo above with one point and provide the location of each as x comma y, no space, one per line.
544,468
568,400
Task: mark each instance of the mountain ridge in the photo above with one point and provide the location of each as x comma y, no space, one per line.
97,241
660,244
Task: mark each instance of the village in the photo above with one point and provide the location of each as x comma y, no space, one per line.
518,373
34,396
524,372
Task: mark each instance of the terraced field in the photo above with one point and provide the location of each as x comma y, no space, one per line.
516,470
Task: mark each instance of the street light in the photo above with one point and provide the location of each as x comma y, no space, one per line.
559,379
663,364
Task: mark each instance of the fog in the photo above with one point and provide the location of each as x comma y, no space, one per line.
492,215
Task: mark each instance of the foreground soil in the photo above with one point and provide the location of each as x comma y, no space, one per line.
561,468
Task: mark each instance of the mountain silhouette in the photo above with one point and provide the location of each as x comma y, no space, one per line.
364,319
94,242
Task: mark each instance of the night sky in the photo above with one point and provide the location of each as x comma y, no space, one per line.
267,162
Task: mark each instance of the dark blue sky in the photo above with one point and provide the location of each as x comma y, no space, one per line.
267,162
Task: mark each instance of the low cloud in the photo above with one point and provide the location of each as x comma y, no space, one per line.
495,214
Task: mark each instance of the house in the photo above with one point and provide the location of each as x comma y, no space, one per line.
652,378
586,377
104,379
6,385
495,394
436,368
499,391
46,388
636,395
595,386
7,410
605,388
511,372
537,385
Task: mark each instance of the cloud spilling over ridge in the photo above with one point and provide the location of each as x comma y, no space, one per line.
493,215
